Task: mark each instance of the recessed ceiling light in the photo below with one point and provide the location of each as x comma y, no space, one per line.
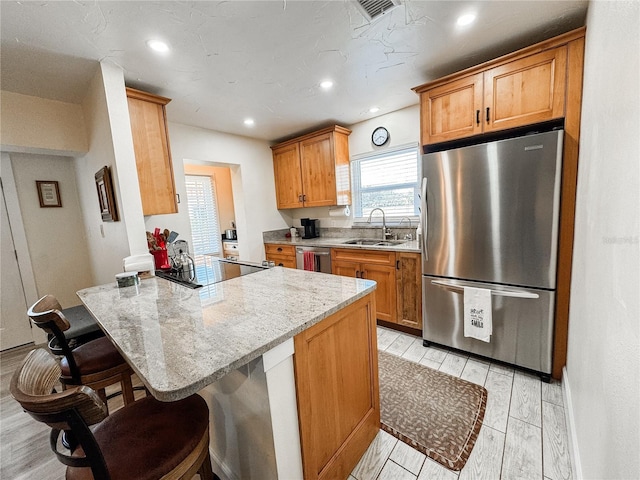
326,84
158,46
374,110
466,19
249,122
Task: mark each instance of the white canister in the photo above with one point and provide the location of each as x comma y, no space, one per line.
294,232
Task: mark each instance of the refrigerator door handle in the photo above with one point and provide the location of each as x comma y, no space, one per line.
457,288
424,219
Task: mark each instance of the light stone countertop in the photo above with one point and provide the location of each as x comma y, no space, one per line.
179,340
408,246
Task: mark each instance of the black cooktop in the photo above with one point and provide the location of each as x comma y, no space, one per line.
217,270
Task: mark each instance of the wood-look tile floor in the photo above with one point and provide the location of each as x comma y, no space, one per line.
523,435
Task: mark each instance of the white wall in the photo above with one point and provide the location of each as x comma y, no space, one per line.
252,179
110,144
404,129
604,349
55,236
37,125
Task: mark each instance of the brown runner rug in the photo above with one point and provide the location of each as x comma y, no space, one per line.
435,413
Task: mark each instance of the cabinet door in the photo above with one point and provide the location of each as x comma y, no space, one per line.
452,111
409,289
153,160
386,290
336,370
318,171
346,269
282,260
525,91
286,170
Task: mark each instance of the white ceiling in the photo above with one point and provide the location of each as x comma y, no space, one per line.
264,59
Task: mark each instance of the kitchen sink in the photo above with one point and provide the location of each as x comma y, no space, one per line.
373,242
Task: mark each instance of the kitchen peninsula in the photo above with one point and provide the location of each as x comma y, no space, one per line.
286,360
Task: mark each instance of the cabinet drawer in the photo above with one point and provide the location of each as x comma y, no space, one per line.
282,260
275,249
379,257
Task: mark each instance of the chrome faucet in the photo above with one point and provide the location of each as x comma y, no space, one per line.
408,236
402,219
385,233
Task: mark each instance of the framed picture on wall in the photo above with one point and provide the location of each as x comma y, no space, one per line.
48,193
106,197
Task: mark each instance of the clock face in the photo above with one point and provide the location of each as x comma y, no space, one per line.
380,136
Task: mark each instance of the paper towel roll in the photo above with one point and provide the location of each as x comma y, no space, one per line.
339,212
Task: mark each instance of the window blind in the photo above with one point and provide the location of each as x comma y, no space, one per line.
203,213
389,181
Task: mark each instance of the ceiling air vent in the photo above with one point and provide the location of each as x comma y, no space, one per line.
373,9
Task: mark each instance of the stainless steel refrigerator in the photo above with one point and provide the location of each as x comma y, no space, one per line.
490,220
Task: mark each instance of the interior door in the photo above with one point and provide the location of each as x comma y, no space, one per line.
15,328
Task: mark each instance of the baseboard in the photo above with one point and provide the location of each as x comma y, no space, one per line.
220,468
576,465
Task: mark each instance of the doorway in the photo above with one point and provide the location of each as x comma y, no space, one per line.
15,327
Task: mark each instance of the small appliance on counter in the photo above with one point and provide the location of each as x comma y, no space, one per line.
310,228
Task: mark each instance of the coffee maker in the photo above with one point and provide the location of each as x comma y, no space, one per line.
310,229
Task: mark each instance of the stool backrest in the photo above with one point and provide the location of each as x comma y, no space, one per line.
72,410
47,314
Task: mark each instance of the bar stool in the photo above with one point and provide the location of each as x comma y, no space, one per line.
83,329
145,440
96,364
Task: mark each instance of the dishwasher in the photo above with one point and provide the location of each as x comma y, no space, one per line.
315,259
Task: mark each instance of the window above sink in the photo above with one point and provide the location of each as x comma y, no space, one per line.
389,179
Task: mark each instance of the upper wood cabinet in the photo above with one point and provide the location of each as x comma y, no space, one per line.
517,90
313,170
153,157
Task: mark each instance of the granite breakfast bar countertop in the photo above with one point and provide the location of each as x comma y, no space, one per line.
180,340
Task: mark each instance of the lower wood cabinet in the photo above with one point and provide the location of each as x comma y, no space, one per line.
282,255
377,265
399,278
336,370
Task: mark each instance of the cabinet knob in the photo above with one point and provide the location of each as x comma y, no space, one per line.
281,265
477,117
279,249
300,197
487,114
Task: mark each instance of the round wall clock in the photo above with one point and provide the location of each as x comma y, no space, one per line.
380,136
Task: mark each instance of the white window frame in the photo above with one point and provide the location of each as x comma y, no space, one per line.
393,220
